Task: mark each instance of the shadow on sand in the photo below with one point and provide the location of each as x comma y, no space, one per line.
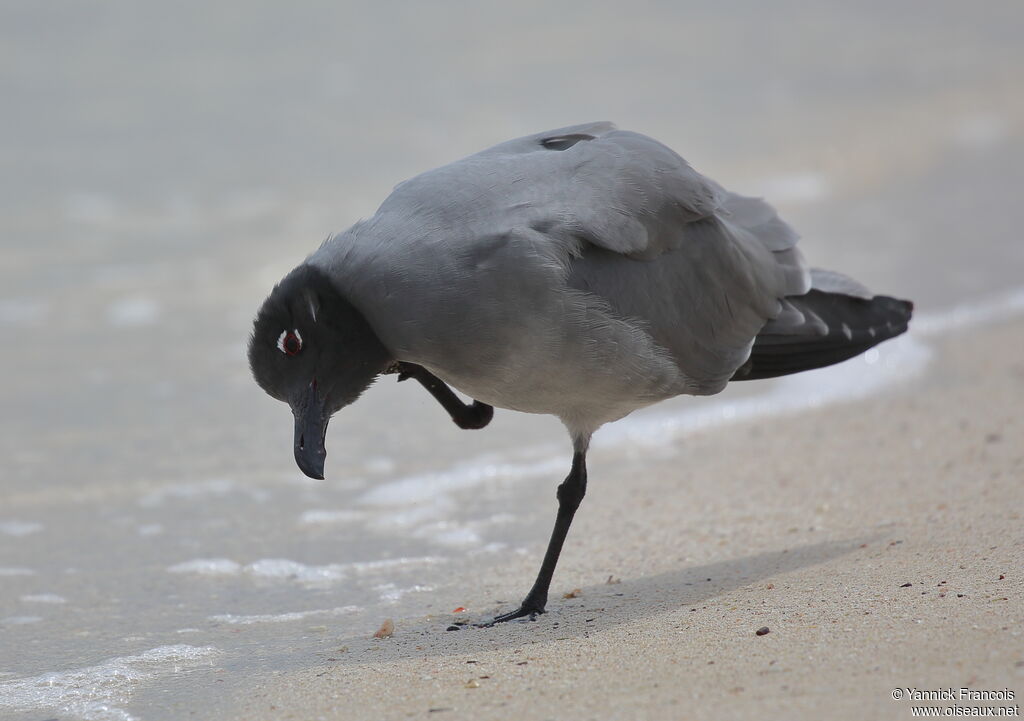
597,608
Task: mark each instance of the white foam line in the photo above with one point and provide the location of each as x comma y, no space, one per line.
19,620
448,533
285,569
404,517
19,528
272,568
323,516
424,487
390,593
994,309
389,563
7,571
96,693
43,598
208,567
282,617
217,488
293,571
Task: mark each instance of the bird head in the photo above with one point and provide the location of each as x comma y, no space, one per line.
315,351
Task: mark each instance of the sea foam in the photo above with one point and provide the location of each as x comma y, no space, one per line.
98,693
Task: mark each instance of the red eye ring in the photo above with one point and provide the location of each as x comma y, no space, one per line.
289,342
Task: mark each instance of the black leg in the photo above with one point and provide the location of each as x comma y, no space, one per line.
472,416
570,494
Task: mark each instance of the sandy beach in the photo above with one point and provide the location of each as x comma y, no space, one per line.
161,556
879,542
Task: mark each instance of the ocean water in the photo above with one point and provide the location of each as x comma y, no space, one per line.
163,167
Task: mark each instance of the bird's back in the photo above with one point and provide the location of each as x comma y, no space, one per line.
582,267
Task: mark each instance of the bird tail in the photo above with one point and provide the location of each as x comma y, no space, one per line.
836,320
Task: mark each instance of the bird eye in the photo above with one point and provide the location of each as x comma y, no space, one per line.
289,342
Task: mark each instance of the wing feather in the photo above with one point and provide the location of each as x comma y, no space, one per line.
698,268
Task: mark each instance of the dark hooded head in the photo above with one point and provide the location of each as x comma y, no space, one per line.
313,350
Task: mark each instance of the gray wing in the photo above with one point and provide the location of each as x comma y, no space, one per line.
700,269
614,189
627,227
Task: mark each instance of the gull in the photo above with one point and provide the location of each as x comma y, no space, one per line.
584,272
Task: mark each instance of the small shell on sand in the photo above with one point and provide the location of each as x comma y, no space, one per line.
386,629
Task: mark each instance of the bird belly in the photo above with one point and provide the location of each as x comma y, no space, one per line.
584,382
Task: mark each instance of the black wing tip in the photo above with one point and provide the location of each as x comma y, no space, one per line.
896,305
855,325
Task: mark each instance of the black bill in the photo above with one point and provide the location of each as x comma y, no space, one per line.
310,428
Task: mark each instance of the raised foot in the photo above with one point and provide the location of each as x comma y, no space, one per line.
469,416
474,416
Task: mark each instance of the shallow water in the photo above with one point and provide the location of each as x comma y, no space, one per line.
163,168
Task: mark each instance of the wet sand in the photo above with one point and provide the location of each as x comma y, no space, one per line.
879,542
